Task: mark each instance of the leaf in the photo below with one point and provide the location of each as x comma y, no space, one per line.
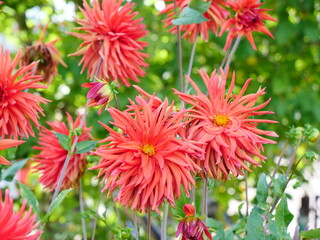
10,172
56,203
218,227
85,146
189,16
200,5
314,233
262,190
26,193
279,184
255,230
63,140
283,216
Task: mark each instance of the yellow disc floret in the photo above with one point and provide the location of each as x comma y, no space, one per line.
221,120
148,149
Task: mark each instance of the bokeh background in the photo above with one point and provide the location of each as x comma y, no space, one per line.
288,66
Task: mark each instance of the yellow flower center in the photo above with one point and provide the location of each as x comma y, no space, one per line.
148,149
221,120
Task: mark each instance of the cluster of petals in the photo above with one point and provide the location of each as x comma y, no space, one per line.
145,159
18,108
100,94
226,123
191,227
7,143
111,49
52,156
215,14
17,225
248,19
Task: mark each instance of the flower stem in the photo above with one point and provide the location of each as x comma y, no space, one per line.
149,225
247,198
205,200
179,50
83,221
164,221
135,223
232,52
95,220
279,161
193,196
73,146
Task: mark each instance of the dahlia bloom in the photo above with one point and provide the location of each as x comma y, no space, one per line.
17,225
17,107
111,49
146,160
216,16
248,19
191,227
226,124
100,94
52,156
48,55
7,143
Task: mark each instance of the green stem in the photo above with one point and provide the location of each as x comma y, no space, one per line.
149,225
135,223
164,221
205,200
232,52
247,197
83,221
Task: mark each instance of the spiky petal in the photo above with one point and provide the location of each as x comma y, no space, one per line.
145,159
227,124
18,108
216,16
111,49
17,225
7,143
248,19
52,156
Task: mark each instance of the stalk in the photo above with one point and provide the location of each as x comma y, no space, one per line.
149,225
232,52
164,221
204,200
135,223
83,221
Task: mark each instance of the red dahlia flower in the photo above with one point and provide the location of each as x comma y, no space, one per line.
111,49
48,55
146,160
17,225
17,107
216,16
52,156
248,19
191,227
226,124
7,143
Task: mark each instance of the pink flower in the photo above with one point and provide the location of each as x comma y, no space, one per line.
18,108
216,16
17,225
145,159
191,227
111,49
248,19
226,124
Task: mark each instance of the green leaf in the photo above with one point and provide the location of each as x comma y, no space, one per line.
26,193
218,227
279,184
85,146
189,16
283,216
255,230
200,5
63,140
314,233
56,203
262,190
10,172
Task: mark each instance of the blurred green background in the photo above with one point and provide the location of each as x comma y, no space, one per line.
288,66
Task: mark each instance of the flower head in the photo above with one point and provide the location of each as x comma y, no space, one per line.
227,125
48,55
145,159
100,94
7,143
18,108
17,225
216,16
248,19
111,49
191,227
52,156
